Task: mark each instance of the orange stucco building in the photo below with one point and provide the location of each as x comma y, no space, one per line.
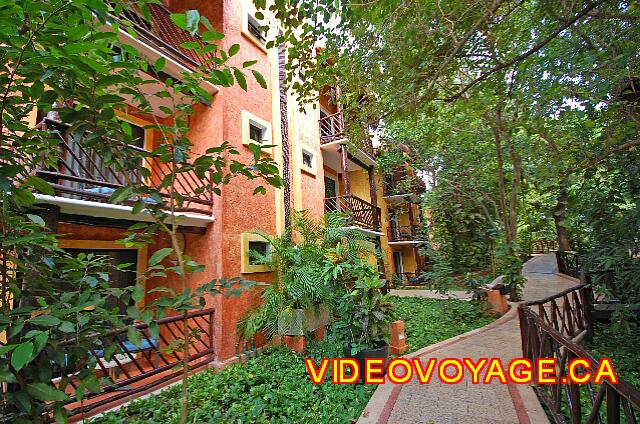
324,172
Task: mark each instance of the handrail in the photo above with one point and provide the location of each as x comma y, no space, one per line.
554,332
82,173
163,33
359,212
403,233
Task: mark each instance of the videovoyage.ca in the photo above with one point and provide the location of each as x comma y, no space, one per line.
454,370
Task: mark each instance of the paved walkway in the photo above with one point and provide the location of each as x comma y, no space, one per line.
463,403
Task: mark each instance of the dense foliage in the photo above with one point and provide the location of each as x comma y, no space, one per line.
620,341
59,61
313,261
523,113
275,386
429,321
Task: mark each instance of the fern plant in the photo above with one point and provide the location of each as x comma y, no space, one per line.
308,261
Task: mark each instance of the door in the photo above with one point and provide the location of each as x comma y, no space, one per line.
393,223
332,203
397,262
119,276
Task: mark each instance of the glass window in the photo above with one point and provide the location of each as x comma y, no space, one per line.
256,133
307,159
258,252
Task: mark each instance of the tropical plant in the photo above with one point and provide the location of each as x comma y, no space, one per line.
308,259
365,313
59,61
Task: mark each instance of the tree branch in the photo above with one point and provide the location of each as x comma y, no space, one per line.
535,49
608,152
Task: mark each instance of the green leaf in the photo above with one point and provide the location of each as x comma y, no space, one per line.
180,19
67,327
45,321
36,219
242,81
21,355
249,63
260,189
160,64
212,36
40,185
60,414
134,336
233,50
46,392
159,255
258,76
121,194
6,376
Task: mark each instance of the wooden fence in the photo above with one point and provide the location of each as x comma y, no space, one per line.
553,328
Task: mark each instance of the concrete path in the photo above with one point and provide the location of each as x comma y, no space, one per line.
463,403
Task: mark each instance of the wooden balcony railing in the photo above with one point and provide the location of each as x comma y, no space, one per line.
360,213
161,33
544,246
569,263
332,129
82,173
553,328
403,233
132,369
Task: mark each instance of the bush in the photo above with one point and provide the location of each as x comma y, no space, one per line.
273,387
429,321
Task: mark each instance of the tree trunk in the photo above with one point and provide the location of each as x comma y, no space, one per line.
559,215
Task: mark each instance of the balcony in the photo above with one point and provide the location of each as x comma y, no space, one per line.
162,35
404,233
332,130
403,184
410,279
82,173
360,213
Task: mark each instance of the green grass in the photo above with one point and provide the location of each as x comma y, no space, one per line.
275,387
429,321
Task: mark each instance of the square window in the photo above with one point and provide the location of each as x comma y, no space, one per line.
256,133
259,253
255,29
307,159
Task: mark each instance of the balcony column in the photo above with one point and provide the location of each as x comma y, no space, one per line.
374,196
345,172
412,222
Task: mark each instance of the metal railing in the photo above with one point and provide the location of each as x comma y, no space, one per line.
360,213
569,263
82,173
403,233
161,32
553,328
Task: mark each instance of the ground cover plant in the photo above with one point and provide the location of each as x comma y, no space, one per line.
429,321
275,387
619,341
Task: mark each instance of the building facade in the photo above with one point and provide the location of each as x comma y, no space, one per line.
324,172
